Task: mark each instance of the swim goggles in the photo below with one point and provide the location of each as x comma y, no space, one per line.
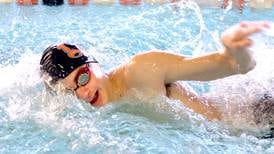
82,77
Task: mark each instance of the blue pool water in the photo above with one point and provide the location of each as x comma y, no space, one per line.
32,121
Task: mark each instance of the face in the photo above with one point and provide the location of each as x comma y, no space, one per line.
87,82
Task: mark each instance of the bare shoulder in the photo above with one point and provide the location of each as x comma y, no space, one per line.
150,68
154,55
142,68
154,63
151,60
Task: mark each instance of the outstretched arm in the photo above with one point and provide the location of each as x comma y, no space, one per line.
234,59
156,70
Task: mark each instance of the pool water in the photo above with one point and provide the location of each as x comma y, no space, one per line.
34,121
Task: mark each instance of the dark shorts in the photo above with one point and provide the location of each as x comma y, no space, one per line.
263,112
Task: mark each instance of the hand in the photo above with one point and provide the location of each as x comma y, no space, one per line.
236,41
236,37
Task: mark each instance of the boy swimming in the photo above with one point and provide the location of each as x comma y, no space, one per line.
152,73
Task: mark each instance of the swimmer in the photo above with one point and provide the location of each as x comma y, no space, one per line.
153,73
237,3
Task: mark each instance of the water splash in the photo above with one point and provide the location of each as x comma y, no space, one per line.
236,94
263,39
33,121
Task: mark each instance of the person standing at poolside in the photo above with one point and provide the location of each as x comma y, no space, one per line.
238,3
153,73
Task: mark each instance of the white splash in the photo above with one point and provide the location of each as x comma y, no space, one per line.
25,72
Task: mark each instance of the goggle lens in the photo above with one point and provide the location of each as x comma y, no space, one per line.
82,77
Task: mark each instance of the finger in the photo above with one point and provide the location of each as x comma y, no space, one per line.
263,24
246,30
258,24
255,23
243,43
244,24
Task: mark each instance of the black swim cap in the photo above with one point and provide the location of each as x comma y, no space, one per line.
60,60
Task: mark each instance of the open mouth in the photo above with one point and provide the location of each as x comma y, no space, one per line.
95,98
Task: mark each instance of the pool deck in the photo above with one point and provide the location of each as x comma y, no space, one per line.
203,3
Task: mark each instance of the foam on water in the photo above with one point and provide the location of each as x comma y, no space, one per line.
264,38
